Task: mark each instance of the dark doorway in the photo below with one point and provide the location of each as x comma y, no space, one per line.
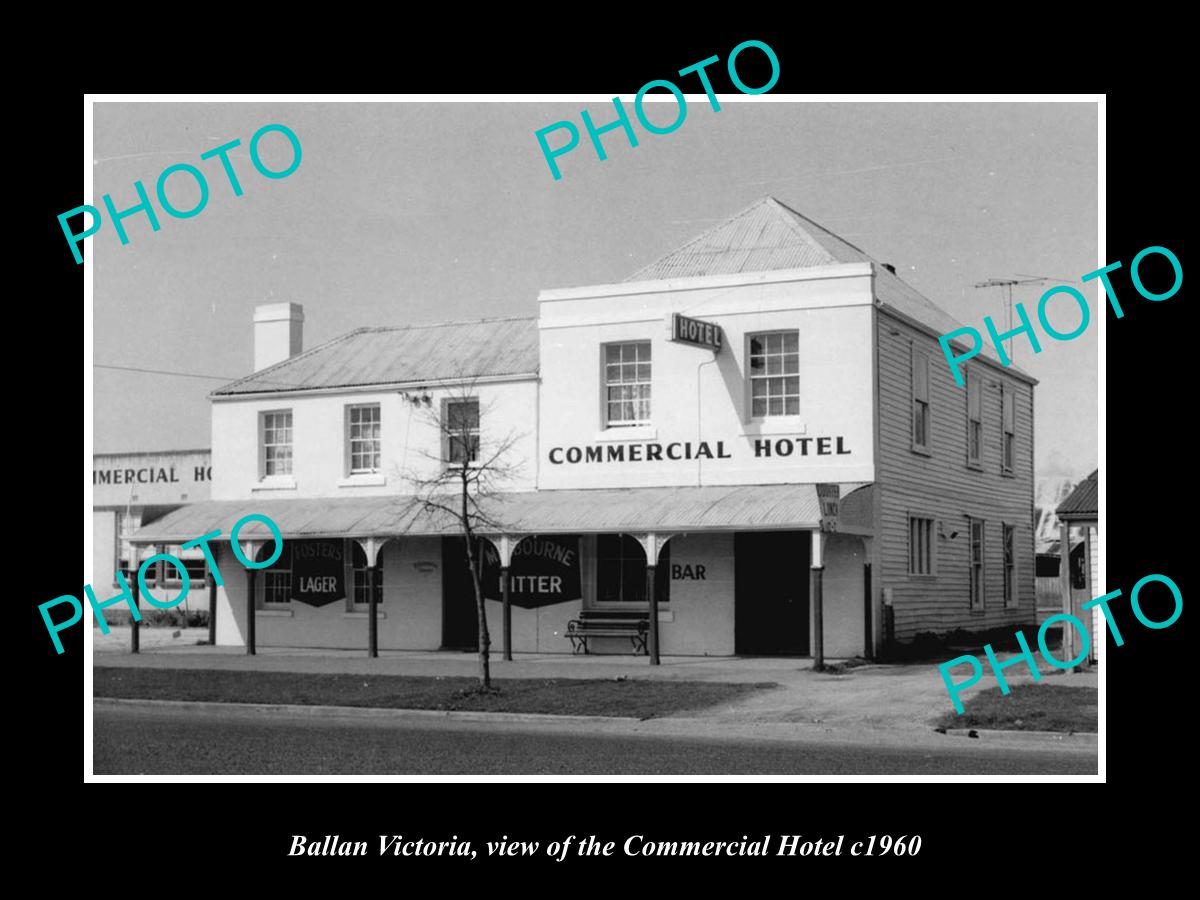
771,578
460,620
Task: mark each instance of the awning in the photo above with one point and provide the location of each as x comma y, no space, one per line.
659,509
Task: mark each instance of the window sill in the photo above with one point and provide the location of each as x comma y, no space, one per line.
774,425
1007,473
921,451
616,433
978,612
371,479
975,467
275,483
456,466
274,613
926,577
364,614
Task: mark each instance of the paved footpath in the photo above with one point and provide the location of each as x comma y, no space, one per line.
894,700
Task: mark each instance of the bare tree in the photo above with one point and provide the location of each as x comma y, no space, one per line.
465,481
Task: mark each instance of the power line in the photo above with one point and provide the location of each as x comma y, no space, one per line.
164,372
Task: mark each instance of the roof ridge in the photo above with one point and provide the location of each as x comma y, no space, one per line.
290,359
789,217
453,322
828,231
96,453
721,224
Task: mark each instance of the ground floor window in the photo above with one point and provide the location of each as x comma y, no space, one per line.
1009,566
276,590
621,570
920,546
361,598
976,563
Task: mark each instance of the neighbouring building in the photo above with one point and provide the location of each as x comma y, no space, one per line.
130,490
1081,579
754,441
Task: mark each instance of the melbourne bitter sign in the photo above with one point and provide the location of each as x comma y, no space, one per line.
544,571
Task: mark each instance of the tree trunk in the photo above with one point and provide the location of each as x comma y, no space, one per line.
485,641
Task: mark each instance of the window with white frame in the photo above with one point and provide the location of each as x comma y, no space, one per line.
276,443
920,545
627,383
462,431
195,565
276,590
1010,566
974,418
1009,429
621,570
363,440
774,374
361,598
975,532
920,400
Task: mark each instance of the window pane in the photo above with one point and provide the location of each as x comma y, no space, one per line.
792,406
759,407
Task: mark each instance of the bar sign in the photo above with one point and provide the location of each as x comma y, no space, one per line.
694,331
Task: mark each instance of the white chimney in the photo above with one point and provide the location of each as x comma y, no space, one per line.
278,333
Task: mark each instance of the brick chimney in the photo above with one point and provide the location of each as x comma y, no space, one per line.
278,333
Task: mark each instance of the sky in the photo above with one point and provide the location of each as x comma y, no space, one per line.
427,212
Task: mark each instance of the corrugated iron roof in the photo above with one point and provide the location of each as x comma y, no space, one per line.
1083,502
661,509
413,353
769,235
765,236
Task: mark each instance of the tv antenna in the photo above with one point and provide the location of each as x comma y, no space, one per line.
1007,285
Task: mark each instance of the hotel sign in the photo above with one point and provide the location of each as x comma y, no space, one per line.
694,331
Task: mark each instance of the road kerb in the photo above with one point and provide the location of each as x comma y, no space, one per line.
366,711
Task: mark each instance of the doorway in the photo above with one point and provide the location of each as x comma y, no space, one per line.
771,584
460,620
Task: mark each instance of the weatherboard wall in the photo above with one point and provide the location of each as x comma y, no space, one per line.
942,486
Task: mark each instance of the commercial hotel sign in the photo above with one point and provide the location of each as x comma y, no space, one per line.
762,448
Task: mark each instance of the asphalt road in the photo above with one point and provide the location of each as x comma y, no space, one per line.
173,741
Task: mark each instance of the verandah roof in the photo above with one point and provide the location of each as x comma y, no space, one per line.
660,509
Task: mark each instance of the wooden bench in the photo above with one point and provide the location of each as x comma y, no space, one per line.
603,623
